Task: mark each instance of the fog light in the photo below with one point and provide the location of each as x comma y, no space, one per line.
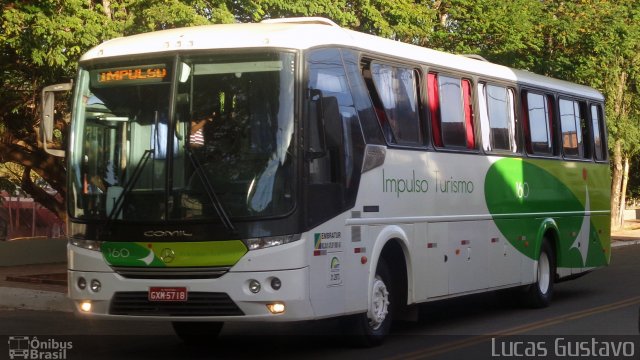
82,283
95,285
276,284
254,286
276,308
85,306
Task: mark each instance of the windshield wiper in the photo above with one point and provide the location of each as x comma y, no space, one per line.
217,205
137,171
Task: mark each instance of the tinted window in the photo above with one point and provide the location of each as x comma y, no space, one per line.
361,99
599,148
397,90
572,124
539,124
497,118
451,111
334,142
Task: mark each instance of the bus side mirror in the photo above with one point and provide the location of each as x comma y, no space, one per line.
46,135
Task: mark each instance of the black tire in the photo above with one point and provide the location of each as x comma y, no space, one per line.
540,293
370,328
197,333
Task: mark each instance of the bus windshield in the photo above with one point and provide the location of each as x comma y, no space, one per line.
177,139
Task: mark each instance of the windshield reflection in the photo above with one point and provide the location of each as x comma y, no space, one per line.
225,144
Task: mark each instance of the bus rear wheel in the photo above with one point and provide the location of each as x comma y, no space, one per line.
197,333
370,328
540,293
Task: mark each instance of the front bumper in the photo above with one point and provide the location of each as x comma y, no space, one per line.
294,293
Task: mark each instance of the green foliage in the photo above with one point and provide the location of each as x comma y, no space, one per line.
506,32
160,14
591,42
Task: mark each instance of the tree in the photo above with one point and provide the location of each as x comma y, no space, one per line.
609,60
40,45
505,32
42,41
591,42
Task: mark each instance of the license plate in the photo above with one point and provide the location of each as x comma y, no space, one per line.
176,294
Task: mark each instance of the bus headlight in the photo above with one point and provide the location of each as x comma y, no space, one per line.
276,284
86,244
82,283
85,306
95,285
266,242
276,308
254,286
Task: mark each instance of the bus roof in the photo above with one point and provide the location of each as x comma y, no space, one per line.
305,33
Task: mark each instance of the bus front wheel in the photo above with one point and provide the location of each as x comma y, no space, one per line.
197,333
540,292
370,328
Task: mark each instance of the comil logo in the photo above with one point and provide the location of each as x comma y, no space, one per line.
167,233
31,348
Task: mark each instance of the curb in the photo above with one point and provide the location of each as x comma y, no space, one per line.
615,244
28,299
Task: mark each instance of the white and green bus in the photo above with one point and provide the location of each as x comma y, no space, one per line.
295,170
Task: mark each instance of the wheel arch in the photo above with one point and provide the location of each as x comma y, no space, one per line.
392,245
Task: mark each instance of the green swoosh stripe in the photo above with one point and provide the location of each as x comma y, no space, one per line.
173,254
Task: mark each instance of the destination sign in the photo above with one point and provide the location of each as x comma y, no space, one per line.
130,75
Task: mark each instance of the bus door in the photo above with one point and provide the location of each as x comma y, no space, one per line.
334,148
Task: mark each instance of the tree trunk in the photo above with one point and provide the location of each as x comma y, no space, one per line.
56,206
623,191
50,168
106,6
616,185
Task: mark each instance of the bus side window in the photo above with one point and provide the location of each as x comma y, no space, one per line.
574,129
537,110
361,99
451,111
378,107
599,143
434,107
497,114
397,89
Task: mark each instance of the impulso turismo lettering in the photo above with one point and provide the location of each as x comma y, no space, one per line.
399,185
452,185
415,184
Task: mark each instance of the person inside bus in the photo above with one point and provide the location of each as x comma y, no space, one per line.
197,132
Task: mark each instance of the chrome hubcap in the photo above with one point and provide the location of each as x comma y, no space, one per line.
379,303
544,273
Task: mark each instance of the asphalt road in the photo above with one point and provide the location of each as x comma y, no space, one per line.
592,315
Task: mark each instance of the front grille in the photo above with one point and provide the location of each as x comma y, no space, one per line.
171,273
136,303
